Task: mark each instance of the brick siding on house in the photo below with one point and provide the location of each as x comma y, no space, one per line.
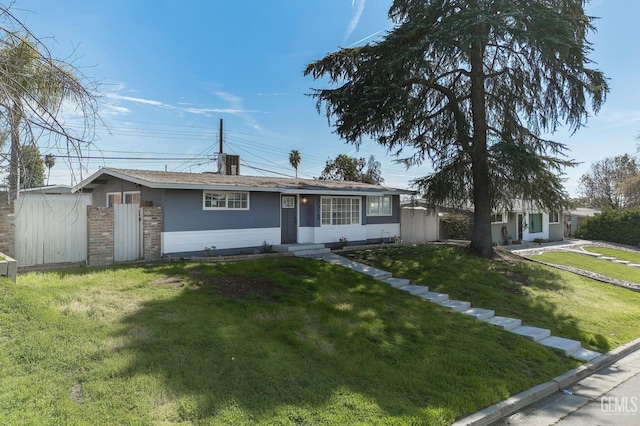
100,235
151,229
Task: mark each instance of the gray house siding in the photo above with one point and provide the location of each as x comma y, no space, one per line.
308,211
99,194
183,211
375,220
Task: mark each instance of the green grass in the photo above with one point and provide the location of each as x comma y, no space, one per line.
588,263
169,344
601,316
633,257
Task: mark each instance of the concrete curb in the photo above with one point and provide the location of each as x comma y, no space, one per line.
537,393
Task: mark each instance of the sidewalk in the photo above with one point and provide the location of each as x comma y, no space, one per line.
609,397
599,375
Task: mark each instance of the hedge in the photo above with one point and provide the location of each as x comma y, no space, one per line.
615,226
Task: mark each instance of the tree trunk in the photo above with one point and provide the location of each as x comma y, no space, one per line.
481,242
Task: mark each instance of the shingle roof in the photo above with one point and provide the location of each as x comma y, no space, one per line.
178,180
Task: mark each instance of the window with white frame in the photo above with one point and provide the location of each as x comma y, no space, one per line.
340,210
554,217
500,217
113,198
223,200
535,223
379,205
132,197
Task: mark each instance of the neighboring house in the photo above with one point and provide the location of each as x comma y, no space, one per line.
524,222
573,218
237,213
49,189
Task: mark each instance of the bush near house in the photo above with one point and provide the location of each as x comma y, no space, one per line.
616,226
458,226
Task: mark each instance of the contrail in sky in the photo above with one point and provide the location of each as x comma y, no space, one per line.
356,18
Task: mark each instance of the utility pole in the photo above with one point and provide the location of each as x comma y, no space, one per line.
221,151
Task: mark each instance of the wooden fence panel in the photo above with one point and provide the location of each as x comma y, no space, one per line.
50,229
126,232
419,225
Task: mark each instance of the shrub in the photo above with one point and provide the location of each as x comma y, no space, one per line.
615,226
458,226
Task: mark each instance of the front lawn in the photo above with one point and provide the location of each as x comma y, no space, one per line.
631,256
271,341
593,264
601,316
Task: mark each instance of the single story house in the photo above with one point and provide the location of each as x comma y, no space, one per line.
241,213
525,222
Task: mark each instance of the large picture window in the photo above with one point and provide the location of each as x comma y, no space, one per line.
535,223
226,200
379,205
340,210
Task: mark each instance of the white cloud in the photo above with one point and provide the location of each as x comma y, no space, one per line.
139,100
235,105
114,110
356,18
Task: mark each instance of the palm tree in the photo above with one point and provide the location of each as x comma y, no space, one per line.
32,89
294,159
49,162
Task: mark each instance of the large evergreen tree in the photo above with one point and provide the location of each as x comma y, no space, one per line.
471,86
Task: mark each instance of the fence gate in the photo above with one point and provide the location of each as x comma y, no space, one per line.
126,232
419,225
50,228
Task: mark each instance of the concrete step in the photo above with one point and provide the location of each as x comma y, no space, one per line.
635,265
623,262
397,282
532,333
311,252
504,323
358,267
456,305
585,354
283,248
568,346
434,297
607,258
416,289
480,313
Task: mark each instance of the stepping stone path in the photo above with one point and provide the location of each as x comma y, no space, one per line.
603,257
542,336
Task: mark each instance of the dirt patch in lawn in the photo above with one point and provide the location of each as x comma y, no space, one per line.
238,286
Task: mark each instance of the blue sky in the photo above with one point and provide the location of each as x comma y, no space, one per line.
170,70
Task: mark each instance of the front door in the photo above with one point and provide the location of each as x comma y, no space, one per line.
520,226
289,219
